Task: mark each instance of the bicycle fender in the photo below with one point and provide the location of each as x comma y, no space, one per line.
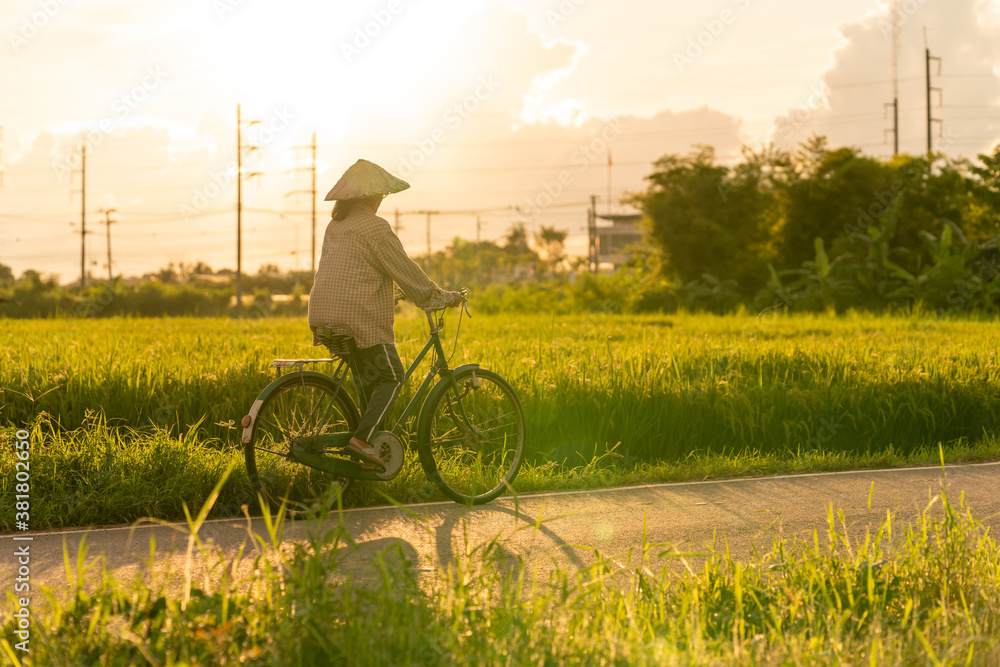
288,378
463,367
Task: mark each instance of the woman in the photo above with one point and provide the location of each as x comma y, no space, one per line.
361,258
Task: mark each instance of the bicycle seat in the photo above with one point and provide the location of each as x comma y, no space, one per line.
339,340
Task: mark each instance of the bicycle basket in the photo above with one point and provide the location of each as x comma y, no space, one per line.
339,340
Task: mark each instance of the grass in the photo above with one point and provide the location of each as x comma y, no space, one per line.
926,593
660,386
133,417
101,475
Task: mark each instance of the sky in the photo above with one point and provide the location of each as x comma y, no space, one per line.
496,111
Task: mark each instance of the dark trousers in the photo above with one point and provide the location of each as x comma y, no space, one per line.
381,375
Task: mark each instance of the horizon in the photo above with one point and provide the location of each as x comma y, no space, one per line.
481,106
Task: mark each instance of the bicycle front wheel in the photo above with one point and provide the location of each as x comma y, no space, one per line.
304,405
472,439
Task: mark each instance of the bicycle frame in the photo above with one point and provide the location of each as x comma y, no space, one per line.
440,366
444,396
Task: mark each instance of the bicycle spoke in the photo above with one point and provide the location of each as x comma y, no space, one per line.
308,422
476,437
484,423
326,412
479,428
268,421
291,413
445,442
270,451
480,431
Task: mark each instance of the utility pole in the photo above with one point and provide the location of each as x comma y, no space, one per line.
83,214
592,235
313,235
894,105
429,214
609,181
312,193
895,78
240,147
107,222
395,221
930,119
479,228
239,210
428,236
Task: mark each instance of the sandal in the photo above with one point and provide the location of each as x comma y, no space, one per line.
366,456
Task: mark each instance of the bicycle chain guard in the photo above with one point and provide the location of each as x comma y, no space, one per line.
390,450
320,452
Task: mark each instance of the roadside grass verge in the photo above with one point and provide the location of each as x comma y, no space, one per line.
924,593
104,475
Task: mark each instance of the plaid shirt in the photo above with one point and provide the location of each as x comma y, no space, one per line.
361,258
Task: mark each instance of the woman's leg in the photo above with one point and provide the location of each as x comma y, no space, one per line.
381,373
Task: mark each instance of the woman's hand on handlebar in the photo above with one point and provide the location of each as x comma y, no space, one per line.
448,299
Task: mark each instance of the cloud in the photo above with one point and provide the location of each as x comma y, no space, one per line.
456,104
847,104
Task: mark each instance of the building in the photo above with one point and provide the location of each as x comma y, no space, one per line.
613,243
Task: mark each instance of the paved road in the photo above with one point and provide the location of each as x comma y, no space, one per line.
554,529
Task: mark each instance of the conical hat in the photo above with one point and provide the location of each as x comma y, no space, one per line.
365,179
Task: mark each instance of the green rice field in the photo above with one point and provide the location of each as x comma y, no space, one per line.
132,417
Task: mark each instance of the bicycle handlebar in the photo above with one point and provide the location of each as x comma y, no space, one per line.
464,292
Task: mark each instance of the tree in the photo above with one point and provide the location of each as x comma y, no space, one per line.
831,194
167,274
709,219
184,272
989,174
32,279
464,263
516,240
552,242
269,269
983,215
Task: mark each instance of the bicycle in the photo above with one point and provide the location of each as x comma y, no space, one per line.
470,427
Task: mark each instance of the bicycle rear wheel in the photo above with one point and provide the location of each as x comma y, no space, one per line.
305,405
472,440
